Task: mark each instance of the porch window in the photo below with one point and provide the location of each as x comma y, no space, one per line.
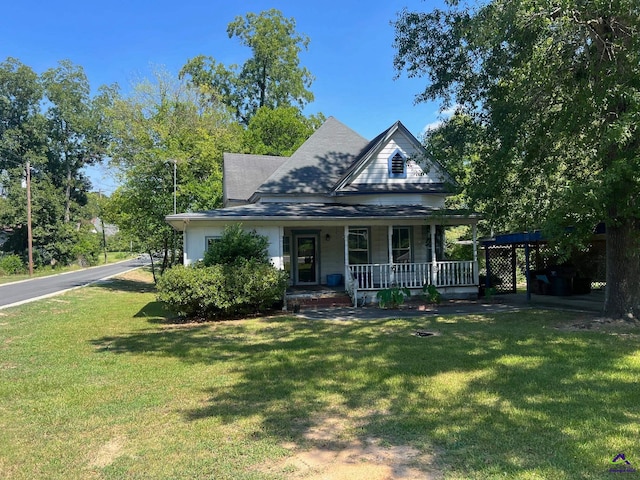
208,241
358,246
401,245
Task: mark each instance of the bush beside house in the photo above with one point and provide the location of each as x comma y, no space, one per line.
235,278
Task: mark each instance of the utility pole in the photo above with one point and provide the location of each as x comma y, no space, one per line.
175,177
29,230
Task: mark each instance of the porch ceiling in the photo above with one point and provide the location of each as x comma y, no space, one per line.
328,214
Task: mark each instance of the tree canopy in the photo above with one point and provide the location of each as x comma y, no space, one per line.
75,135
161,125
279,131
554,87
272,77
167,135
48,124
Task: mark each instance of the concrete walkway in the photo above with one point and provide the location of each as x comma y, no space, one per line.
593,302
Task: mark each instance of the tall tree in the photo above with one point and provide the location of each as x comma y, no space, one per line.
48,128
75,137
162,128
279,131
21,124
272,77
457,143
22,145
556,85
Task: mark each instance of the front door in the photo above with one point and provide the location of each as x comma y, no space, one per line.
307,260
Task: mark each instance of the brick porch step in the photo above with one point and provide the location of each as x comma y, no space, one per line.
319,300
326,302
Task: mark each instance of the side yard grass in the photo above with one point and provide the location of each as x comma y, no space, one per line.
101,384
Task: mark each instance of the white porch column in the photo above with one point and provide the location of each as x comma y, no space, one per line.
280,248
392,274
476,277
185,259
434,258
347,277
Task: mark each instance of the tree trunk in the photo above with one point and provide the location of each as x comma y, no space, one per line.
622,296
153,267
263,86
67,198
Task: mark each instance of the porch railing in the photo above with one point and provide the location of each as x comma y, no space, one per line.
376,276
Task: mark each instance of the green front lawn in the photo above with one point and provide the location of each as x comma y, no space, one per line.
98,384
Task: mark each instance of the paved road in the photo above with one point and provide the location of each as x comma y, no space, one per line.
29,290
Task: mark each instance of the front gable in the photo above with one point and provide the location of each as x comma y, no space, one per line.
396,162
337,165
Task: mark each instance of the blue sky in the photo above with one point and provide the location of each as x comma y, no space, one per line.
350,53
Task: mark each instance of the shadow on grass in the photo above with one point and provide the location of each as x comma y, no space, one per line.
128,285
505,394
155,312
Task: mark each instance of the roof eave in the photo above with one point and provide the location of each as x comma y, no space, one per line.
180,221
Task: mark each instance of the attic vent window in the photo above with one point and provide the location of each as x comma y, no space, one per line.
397,165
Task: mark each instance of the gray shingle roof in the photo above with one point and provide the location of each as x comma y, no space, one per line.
319,163
243,173
317,211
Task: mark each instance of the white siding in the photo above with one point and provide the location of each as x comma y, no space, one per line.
379,246
435,201
377,171
195,244
420,244
331,252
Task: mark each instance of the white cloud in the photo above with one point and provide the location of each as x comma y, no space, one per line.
431,126
443,115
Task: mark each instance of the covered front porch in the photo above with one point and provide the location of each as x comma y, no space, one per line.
366,258
411,264
360,248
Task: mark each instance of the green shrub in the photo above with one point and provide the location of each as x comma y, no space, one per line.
431,293
187,291
11,265
392,297
236,245
87,248
234,278
222,290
